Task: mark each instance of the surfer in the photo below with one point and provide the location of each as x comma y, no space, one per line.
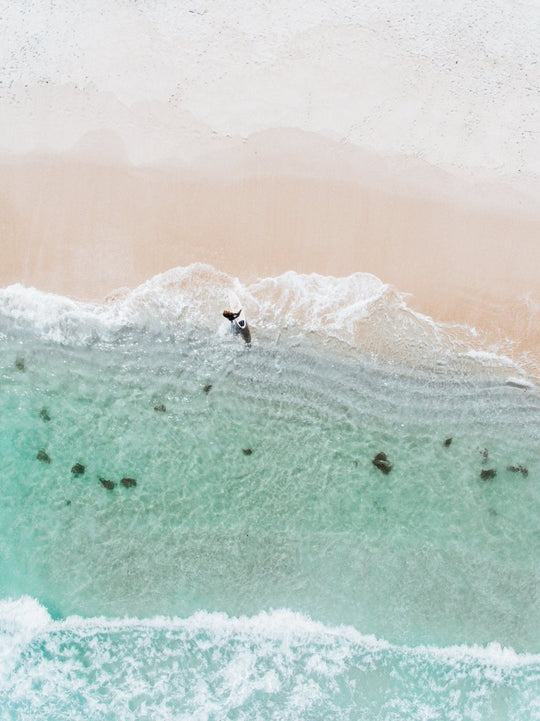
239,324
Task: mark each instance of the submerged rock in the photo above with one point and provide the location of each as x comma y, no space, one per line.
247,451
128,482
447,442
382,463
488,474
43,456
518,469
44,415
109,485
19,364
160,409
207,388
78,469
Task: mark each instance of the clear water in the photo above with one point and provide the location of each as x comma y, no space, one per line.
262,567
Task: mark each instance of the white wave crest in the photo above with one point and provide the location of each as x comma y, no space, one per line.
359,312
24,618
274,665
197,294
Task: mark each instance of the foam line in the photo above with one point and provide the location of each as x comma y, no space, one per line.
359,312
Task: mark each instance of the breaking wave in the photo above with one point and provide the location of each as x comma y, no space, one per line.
277,664
358,313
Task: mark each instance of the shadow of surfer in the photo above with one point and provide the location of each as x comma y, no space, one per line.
238,325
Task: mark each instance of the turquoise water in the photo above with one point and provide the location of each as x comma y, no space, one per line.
262,566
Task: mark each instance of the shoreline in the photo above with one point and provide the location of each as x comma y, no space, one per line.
463,253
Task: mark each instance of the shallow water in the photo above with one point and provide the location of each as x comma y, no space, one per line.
256,491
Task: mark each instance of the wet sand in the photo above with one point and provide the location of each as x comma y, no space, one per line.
466,252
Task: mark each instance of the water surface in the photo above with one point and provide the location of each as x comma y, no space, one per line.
262,566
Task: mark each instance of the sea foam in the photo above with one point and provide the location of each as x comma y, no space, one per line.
277,664
357,312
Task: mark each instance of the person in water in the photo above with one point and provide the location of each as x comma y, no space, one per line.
238,326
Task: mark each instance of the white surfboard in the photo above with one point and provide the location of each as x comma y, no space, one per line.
235,306
238,324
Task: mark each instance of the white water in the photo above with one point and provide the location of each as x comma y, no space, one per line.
279,665
358,314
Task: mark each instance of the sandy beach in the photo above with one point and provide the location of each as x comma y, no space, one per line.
399,141
466,254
